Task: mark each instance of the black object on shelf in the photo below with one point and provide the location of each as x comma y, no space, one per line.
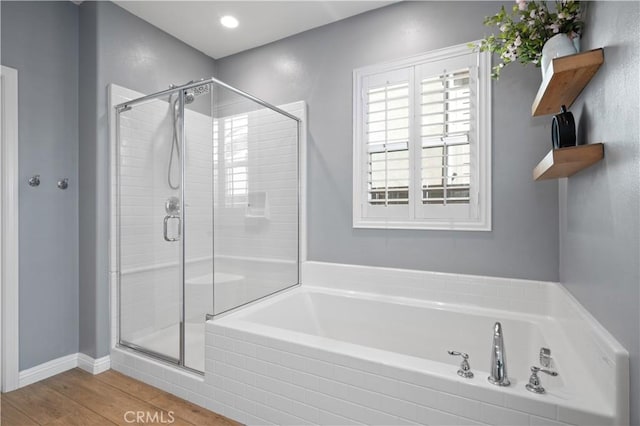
563,129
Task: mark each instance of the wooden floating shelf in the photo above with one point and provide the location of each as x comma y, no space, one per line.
565,79
564,162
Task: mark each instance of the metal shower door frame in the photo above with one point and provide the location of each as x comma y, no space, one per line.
120,108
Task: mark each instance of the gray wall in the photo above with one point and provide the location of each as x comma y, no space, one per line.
316,66
116,47
600,206
87,224
40,40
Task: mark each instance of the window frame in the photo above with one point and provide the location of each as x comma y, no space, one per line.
410,216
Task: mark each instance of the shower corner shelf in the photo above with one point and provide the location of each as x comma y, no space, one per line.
566,78
565,162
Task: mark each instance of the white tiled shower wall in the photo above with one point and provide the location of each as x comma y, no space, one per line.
272,170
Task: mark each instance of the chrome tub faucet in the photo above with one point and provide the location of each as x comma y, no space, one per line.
498,369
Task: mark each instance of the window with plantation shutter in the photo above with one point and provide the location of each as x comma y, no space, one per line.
422,142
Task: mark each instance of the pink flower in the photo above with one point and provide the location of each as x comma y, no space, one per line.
555,28
522,4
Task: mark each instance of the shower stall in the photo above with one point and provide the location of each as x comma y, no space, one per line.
207,210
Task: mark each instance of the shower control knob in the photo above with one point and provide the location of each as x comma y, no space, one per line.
172,206
63,183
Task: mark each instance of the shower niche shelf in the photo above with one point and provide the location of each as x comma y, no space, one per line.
565,162
566,78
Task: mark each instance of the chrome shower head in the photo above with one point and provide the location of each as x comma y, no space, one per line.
191,93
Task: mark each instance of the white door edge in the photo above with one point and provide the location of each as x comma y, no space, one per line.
9,359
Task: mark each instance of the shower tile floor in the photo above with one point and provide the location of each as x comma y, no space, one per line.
167,342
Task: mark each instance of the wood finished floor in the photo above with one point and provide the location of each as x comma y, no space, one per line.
78,398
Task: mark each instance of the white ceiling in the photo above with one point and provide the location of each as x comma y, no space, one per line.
197,22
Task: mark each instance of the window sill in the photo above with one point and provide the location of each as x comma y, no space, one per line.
424,225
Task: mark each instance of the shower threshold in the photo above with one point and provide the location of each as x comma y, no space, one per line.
166,342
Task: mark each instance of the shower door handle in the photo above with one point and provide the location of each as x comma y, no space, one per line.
166,226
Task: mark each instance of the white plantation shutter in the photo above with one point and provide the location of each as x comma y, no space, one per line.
387,140
446,114
421,142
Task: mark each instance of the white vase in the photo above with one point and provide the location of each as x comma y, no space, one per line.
557,46
576,43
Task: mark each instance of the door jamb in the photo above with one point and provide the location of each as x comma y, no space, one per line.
9,266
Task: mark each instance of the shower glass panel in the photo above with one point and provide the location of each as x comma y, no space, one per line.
198,205
255,200
150,248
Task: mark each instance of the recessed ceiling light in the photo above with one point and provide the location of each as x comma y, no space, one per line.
229,21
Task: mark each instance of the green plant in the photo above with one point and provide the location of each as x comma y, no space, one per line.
524,31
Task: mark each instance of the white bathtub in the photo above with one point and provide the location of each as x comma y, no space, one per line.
425,331
326,355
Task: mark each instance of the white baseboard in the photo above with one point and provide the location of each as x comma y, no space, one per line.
62,364
48,369
94,366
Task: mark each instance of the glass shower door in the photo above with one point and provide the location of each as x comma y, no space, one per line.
150,227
